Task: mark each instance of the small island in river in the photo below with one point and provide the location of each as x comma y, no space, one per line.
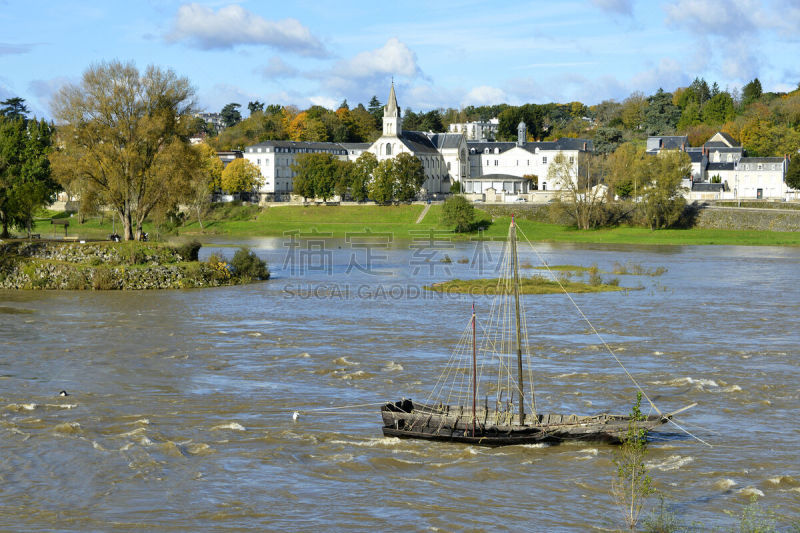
55,265
527,285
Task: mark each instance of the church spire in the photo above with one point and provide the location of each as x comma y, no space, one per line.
392,118
391,109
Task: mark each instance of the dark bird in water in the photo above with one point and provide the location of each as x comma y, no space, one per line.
63,393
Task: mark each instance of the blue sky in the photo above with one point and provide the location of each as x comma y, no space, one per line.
441,54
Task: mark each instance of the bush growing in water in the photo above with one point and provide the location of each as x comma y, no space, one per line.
246,264
189,251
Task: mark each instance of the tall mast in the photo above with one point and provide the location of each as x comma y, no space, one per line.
520,388
474,372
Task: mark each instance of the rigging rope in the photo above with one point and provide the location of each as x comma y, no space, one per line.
585,318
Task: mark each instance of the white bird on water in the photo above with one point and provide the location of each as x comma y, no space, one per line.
295,415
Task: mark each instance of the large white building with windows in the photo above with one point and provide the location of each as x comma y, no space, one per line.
446,158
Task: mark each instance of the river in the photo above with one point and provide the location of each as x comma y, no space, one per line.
180,408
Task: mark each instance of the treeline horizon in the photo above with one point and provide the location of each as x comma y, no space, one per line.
764,123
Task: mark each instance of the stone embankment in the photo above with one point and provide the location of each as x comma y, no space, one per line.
105,266
749,219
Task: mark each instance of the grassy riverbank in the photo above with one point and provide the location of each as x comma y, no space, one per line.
400,221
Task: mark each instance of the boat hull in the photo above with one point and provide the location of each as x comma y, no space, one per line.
445,423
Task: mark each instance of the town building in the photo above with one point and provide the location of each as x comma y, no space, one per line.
722,171
478,130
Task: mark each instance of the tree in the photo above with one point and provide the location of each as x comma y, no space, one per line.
383,184
361,175
751,92
207,180
793,173
409,176
123,137
14,108
624,171
230,114
316,175
662,202
661,115
607,139
632,112
459,212
578,198
240,176
719,109
25,180
255,106
375,109
631,486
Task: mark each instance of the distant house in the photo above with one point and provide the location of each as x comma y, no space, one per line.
478,130
721,170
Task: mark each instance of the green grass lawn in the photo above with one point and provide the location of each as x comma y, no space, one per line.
532,285
338,221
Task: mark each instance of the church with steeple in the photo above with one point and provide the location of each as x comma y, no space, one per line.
438,152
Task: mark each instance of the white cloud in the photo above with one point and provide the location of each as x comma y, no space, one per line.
233,25
727,18
620,7
393,58
277,68
484,95
324,101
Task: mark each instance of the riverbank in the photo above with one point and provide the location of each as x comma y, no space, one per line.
714,226
48,265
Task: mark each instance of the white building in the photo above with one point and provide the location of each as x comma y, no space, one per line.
525,158
394,141
478,130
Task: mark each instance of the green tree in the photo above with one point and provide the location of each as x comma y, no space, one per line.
14,108
361,175
793,173
25,180
719,109
459,212
409,176
751,92
255,106
230,114
316,174
632,485
376,110
624,171
662,202
661,115
240,176
607,139
123,138
383,185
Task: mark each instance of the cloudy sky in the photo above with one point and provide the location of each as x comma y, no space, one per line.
441,54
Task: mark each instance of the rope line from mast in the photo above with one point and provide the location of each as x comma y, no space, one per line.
589,322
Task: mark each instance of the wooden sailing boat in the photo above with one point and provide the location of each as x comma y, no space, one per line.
453,417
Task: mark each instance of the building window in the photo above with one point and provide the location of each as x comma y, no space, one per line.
266,161
388,149
495,162
760,166
571,160
448,165
487,162
544,160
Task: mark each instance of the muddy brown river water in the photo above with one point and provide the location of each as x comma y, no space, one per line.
179,414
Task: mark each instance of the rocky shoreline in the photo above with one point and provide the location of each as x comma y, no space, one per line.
108,266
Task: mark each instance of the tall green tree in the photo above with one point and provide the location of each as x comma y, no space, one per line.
255,106
361,175
409,176
458,212
383,185
123,138
580,198
230,114
719,109
751,92
207,180
25,180
14,108
316,175
793,173
661,115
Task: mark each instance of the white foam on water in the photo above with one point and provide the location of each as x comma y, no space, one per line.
730,388
589,451
62,405
358,374
142,421
234,426
779,480
144,441
68,427
673,462
199,448
126,447
724,484
682,382
371,443
133,432
567,375
97,446
21,406
392,367
304,354
344,361
750,491
254,334
535,445
658,353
